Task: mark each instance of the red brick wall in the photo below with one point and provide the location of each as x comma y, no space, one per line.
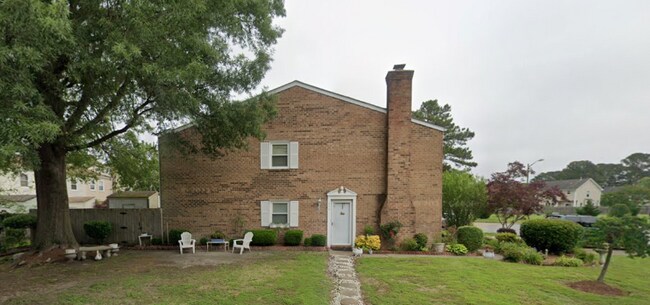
341,144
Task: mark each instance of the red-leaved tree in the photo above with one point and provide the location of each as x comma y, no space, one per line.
512,200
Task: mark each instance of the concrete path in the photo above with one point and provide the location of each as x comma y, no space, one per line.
347,288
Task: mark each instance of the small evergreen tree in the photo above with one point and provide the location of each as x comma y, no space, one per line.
589,209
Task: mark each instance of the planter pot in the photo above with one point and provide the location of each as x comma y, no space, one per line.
70,254
439,247
488,254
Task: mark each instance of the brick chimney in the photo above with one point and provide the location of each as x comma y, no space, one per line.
398,204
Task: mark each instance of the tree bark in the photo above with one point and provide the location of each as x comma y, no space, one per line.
53,228
610,250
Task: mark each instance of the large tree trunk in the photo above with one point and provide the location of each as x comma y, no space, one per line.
53,227
610,250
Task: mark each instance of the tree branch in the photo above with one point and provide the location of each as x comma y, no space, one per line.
137,114
121,91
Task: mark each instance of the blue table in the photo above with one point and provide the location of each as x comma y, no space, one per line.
217,242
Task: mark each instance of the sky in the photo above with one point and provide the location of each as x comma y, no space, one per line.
554,80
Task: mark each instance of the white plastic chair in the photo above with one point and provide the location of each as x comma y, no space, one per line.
243,243
187,242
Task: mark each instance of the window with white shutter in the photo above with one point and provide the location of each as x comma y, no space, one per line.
278,155
279,213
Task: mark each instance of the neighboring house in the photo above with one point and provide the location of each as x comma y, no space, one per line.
17,203
578,191
329,165
81,194
134,200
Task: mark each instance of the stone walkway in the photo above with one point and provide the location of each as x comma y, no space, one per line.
347,289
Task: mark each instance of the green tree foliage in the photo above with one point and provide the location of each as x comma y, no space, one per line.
588,209
464,198
631,169
619,210
627,232
633,196
77,74
134,162
511,200
456,152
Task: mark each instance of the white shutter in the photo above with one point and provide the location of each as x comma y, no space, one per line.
293,151
266,208
265,158
293,213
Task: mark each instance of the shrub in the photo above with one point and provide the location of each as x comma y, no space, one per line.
369,230
175,236
20,221
589,258
457,249
156,241
307,242
471,237
218,235
389,230
512,252
264,237
318,240
566,261
532,257
202,241
293,237
509,238
368,242
492,242
98,230
14,238
558,236
619,210
448,236
409,244
506,230
421,239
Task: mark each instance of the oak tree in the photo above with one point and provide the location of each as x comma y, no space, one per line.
76,74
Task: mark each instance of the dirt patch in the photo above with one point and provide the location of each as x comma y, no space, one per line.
32,258
597,288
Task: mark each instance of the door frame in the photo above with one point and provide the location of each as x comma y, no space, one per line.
338,195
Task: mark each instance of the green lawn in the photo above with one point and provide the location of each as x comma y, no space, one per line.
431,280
262,278
493,219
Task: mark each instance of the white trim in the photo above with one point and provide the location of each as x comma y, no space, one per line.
297,83
339,194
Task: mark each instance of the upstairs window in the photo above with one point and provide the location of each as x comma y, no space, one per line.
73,185
101,185
279,155
24,180
92,185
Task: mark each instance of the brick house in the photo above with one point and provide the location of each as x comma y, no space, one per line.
329,165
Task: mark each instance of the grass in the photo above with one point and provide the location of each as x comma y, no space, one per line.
427,280
493,218
276,278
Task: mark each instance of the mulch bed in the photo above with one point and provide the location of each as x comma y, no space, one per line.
597,288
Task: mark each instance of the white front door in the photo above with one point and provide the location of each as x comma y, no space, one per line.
341,222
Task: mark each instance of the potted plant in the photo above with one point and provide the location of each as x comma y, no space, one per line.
488,251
